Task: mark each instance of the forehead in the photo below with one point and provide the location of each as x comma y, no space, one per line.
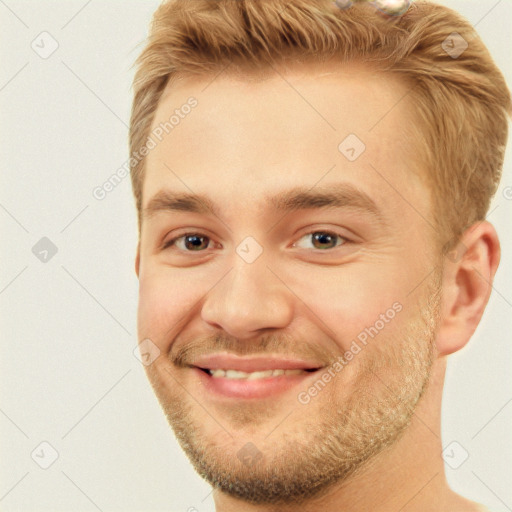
249,136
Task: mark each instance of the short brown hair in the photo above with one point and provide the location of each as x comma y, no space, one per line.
462,102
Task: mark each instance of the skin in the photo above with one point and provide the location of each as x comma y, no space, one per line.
247,139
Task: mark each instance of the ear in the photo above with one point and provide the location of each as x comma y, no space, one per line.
137,260
467,283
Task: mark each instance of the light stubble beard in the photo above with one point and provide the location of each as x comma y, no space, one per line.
329,446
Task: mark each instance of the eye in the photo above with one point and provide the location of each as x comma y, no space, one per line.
190,242
321,240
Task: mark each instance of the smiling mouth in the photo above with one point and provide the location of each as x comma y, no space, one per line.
262,383
264,374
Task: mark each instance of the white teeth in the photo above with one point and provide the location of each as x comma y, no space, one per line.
260,375
235,374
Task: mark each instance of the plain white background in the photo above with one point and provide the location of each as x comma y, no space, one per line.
68,373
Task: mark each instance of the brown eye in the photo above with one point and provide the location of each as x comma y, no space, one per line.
192,242
324,240
321,240
196,243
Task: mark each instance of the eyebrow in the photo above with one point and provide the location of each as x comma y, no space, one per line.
298,198
168,201
335,196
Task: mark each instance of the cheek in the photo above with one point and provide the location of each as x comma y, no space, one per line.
165,300
347,301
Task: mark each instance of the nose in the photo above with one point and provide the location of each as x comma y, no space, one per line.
249,299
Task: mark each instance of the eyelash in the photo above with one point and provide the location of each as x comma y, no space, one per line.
172,241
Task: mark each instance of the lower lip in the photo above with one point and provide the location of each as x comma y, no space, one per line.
258,388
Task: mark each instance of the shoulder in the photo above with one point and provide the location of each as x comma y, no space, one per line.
477,507
461,504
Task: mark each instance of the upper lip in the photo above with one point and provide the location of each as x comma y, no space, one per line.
253,364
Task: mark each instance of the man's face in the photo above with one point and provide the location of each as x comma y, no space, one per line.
294,281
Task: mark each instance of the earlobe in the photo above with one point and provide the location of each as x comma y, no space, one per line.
467,284
137,260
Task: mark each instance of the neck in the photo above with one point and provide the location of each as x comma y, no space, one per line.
407,477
